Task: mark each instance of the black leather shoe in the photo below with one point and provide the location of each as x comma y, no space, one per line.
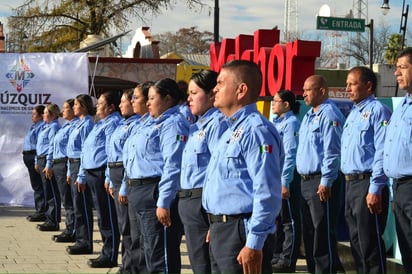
101,263
77,250
64,238
47,226
282,267
36,218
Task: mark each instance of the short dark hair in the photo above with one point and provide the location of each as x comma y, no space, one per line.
169,87
205,79
366,75
247,72
70,102
406,52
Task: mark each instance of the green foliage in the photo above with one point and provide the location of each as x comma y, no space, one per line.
393,47
60,25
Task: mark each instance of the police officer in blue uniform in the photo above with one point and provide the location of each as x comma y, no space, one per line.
153,172
203,136
83,109
367,193
116,172
59,170
288,235
317,162
44,159
397,158
93,173
29,153
128,195
242,190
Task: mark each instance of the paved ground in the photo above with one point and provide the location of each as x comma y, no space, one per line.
24,249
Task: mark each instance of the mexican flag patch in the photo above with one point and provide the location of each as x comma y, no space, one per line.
265,149
182,138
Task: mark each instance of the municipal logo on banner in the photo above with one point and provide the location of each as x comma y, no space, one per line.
20,75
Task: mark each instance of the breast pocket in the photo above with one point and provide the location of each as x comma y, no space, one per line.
315,135
406,130
233,162
202,155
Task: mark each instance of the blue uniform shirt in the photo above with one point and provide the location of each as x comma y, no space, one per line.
155,150
244,174
62,137
397,152
203,137
363,139
77,137
45,141
319,142
288,128
30,140
187,113
95,147
140,122
118,139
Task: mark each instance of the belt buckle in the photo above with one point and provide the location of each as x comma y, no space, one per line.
224,218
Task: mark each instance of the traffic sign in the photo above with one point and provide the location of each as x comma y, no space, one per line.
340,24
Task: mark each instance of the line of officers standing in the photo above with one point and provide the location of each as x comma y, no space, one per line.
218,171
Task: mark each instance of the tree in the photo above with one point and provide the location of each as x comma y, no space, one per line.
60,25
393,48
185,41
358,46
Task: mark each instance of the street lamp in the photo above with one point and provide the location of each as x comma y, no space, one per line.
385,7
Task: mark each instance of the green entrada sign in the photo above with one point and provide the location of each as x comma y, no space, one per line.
340,24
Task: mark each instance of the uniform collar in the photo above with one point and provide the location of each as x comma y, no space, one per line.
167,113
361,105
206,117
241,114
284,117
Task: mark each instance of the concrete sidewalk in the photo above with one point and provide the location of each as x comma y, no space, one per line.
24,249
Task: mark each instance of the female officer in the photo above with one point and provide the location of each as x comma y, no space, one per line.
29,153
60,170
44,150
116,172
93,173
286,250
195,158
83,109
137,262
153,170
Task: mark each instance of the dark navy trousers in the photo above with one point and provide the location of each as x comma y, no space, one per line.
36,183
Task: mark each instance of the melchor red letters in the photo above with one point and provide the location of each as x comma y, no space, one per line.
283,66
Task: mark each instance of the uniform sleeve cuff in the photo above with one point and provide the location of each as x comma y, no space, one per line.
255,242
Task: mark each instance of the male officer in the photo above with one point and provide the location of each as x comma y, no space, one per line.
317,162
367,194
398,157
242,186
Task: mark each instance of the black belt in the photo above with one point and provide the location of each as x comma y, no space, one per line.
28,152
357,176
227,218
307,177
74,160
115,164
144,181
60,160
404,179
187,193
40,157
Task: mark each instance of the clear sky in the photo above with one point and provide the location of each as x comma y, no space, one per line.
246,16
